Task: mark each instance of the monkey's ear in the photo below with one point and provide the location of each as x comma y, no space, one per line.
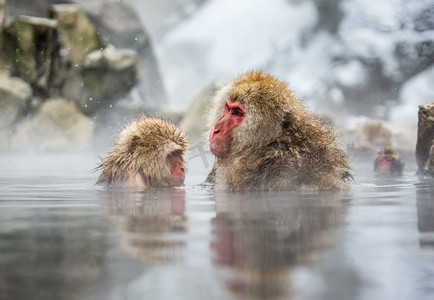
134,143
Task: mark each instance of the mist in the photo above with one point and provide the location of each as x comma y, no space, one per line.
74,73
351,62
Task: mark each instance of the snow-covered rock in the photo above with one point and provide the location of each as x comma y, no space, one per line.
347,56
57,125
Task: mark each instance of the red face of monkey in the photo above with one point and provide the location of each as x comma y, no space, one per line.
384,163
177,169
220,137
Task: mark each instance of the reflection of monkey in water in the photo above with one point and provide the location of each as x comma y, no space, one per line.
388,161
262,239
148,222
264,138
149,153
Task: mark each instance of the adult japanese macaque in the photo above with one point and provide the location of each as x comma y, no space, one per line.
263,138
149,153
374,136
388,161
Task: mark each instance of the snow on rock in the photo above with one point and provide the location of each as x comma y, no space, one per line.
372,29
226,38
359,68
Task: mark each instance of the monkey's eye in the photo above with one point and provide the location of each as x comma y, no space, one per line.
237,112
175,153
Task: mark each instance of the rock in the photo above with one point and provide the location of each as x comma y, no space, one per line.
111,58
28,46
106,22
429,166
65,56
425,140
96,75
3,13
57,125
120,25
37,8
14,96
160,16
104,76
76,33
364,140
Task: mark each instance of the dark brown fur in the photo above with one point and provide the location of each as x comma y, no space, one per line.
280,145
139,158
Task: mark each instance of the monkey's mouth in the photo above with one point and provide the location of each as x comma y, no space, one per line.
384,165
217,149
177,181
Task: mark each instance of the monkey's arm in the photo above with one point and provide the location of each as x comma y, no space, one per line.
210,179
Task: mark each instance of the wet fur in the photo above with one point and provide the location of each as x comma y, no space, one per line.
139,158
279,145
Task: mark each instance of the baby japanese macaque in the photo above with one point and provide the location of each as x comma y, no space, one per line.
388,161
263,138
149,153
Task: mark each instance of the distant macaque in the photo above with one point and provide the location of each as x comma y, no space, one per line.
388,161
263,138
149,153
372,137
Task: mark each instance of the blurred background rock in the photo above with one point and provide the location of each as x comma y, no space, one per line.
356,62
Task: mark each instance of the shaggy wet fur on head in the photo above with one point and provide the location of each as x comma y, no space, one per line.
139,158
279,145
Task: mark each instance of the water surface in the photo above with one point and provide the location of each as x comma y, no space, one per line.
62,238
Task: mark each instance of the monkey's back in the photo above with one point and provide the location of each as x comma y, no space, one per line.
279,144
312,161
